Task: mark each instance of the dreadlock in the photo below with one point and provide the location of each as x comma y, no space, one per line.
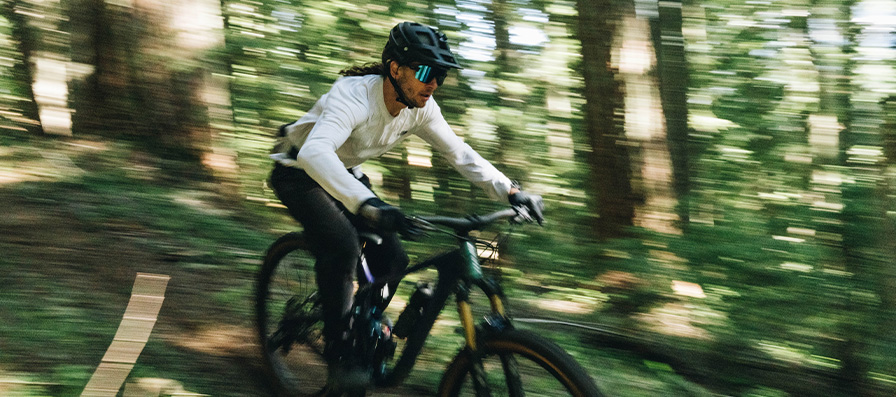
365,69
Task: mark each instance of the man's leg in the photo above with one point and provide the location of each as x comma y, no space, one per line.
334,243
388,258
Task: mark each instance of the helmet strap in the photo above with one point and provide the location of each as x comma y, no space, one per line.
401,98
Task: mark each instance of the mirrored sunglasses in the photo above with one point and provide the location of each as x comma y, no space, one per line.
426,73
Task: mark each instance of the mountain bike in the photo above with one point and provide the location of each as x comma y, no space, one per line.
497,359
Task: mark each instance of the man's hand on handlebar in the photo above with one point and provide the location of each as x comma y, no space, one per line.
529,206
384,217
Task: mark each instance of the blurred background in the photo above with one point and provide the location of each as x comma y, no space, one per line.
719,178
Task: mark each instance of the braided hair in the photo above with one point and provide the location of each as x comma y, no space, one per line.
365,69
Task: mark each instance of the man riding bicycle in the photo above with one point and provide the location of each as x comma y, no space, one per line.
367,112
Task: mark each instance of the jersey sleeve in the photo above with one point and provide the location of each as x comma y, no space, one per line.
342,112
436,131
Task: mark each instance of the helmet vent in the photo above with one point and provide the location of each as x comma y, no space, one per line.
425,38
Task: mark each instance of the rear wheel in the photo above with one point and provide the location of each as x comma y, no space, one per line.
516,363
289,319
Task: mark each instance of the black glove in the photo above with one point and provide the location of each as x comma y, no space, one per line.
365,180
384,217
533,204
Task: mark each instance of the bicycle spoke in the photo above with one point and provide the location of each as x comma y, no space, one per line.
289,319
512,376
279,340
517,363
480,381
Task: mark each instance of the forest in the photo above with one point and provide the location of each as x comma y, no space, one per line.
717,179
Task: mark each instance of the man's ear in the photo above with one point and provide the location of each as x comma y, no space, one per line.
393,68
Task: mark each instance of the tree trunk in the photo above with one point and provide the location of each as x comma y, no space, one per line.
861,224
887,280
503,69
672,65
608,159
148,83
102,100
399,174
24,72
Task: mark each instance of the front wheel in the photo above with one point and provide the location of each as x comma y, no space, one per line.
516,363
289,319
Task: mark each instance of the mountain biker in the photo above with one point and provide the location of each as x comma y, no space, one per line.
368,111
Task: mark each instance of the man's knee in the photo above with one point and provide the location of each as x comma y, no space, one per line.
337,256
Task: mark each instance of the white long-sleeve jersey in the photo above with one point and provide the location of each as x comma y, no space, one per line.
351,124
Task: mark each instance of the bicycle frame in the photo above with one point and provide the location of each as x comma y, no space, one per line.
458,270
524,357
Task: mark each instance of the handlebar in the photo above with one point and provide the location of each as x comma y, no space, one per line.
464,225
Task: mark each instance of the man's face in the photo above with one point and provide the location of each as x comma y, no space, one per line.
416,91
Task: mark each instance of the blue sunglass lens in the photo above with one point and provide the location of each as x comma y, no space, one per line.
423,73
426,73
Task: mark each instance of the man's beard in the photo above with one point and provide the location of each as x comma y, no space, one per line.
414,99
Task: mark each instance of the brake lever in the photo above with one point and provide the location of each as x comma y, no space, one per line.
522,215
422,224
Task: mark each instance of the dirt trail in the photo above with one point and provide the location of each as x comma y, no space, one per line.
51,244
84,273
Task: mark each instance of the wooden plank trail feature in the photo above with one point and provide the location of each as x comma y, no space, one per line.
133,333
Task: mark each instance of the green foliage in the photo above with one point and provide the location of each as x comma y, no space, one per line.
790,152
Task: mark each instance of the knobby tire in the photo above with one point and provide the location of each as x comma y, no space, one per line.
286,284
543,368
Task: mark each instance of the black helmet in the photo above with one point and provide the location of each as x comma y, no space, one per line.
413,42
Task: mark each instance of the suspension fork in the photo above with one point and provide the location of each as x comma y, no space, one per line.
495,296
496,322
465,312
494,293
